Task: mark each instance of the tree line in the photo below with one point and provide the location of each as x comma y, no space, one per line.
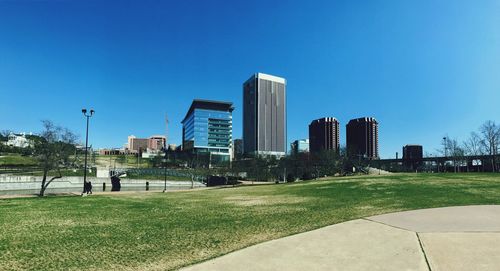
485,141
54,147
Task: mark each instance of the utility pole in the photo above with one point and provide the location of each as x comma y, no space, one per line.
165,158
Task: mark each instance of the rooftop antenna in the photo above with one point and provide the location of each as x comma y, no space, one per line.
166,131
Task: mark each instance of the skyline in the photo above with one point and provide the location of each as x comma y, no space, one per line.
423,70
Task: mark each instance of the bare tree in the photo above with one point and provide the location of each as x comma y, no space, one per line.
4,134
452,149
53,150
491,140
473,146
455,151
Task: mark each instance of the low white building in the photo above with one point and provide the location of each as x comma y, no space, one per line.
151,153
19,140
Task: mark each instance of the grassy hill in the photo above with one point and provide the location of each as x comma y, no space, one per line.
16,160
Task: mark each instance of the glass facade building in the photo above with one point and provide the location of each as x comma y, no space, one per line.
300,146
208,128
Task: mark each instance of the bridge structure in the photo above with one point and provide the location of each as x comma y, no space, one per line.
487,163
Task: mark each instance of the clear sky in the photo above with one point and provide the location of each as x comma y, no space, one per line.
422,68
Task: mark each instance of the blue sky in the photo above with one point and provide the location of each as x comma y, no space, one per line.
423,68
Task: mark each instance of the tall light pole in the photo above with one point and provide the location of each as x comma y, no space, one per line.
84,111
445,147
445,153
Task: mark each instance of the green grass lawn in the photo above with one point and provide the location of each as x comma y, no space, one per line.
13,159
155,231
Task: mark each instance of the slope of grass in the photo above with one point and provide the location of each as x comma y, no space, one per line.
121,161
155,231
16,160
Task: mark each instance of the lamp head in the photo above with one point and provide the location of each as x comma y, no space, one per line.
92,112
84,111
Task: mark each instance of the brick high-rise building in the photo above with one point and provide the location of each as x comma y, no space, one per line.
324,135
137,145
362,138
157,142
412,156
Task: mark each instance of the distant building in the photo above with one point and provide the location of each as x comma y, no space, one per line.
152,144
237,148
157,142
412,156
324,135
300,146
19,140
172,147
137,145
208,128
151,154
113,151
362,138
264,115
110,152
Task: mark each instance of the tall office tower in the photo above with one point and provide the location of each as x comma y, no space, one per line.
208,128
324,135
362,138
264,115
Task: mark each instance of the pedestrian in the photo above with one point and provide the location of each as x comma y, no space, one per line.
89,188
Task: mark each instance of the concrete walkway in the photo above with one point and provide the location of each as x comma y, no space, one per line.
452,238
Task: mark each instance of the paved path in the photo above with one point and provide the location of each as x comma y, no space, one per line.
452,238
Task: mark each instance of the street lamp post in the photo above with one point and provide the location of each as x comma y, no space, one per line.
84,111
445,147
445,153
